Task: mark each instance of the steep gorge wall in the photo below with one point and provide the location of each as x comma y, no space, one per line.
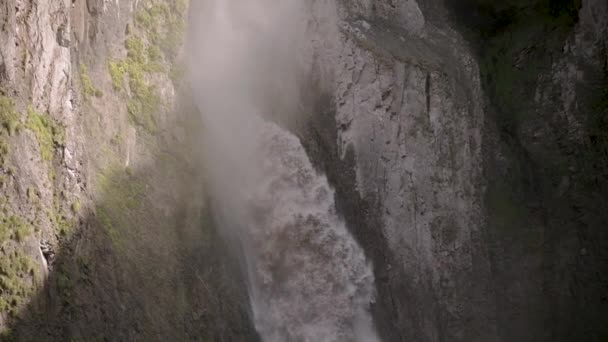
544,75
399,135
105,232
466,144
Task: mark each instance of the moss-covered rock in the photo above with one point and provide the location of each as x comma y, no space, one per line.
88,89
9,117
123,195
17,279
49,133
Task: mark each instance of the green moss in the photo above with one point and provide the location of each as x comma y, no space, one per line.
123,194
66,278
5,232
4,150
88,89
122,189
145,101
142,108
117,139
164,25
136,50
32,195
7,335
154,54
9,117
14,227
9,124
21,229
17,275
161,30
117,72
107,221
48,133
76,206
62,224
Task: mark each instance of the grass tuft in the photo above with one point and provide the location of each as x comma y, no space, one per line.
48,133
9,117
88,89
16,285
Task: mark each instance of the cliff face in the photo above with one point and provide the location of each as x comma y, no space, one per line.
466,141
104,228
400,136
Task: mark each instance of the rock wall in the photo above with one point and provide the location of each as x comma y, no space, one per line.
400,136
465,143
105,232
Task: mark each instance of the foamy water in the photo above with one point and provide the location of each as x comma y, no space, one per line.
309,280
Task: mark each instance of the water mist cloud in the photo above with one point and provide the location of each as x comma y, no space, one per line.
308,278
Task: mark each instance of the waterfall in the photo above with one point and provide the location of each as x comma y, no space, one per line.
308,278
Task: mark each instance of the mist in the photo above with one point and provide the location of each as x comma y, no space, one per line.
250,64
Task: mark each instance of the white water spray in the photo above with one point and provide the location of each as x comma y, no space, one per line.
308,278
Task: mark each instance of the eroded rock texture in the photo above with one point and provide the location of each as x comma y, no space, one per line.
466,140
462,126
104,227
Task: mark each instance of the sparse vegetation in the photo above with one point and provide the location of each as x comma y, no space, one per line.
32,195
76,206
144,100
117,139
164,25
59,218
118,71
7,335
123,193
160,35
88,89
17,280
62,224
9,117
65,283
4,150
48,133
13,227
9,124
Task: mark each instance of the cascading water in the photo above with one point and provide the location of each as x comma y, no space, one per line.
308,278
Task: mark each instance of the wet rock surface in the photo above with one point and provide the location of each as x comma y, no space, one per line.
455,193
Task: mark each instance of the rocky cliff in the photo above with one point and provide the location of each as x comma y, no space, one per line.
105,232
467,142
